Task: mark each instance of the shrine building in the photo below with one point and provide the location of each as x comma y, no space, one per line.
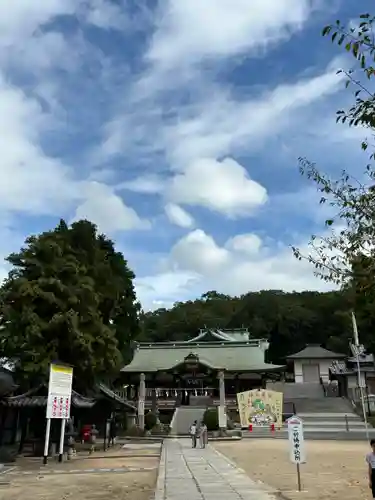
208,370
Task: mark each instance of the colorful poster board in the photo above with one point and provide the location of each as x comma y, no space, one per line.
59,391
260,407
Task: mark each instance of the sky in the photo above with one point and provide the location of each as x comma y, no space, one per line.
175,126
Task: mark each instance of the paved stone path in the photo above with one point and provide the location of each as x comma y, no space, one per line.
195,474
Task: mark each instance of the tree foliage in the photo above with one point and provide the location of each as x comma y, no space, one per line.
288,320
345,255
69,297
351,234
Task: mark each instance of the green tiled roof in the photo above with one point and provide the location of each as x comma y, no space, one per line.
234,357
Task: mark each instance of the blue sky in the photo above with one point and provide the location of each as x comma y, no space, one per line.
175,126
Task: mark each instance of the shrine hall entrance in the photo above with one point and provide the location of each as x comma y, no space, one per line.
196,382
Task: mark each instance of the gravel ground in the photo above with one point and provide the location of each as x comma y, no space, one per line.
335,470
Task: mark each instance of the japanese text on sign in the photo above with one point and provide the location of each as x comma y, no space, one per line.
59,391
296,440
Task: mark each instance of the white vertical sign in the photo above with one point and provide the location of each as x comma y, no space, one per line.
59,391
296,440
222,417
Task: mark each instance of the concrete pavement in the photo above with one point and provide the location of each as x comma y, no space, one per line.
196,474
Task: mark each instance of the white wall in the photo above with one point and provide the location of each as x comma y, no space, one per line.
298,376
324,365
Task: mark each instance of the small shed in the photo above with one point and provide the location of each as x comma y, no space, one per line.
312,364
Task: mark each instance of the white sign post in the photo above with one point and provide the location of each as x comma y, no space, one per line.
296,444
222,417
58,403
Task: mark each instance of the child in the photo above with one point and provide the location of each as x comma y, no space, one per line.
370,459
93,434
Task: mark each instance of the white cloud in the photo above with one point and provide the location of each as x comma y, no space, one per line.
249,244
178,216
105,14
190,30
102,206
146,184
222,186
219,124
34,182
198,252
164,289
245,263
31,182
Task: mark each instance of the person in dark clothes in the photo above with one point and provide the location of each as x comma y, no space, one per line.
370,459
113,432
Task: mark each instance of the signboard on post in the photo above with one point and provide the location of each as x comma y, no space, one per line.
58,403
59,391
296,444
296,440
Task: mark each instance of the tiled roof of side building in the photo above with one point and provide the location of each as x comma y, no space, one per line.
315,351
239,357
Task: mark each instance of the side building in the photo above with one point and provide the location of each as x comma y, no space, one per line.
208,370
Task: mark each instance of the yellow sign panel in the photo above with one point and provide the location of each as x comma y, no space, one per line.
260,407
62,369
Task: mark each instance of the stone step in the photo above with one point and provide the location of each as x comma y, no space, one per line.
327,415
333,425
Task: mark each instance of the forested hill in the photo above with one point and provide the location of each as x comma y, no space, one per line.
288,320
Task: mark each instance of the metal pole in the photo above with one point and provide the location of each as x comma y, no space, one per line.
61,445
356,343
46,441
299,478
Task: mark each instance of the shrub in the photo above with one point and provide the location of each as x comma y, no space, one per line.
134,431
211,419
150,420
160,429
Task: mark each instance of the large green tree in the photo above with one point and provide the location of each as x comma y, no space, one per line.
69,297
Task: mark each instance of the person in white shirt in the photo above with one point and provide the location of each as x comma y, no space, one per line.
370,459
193,433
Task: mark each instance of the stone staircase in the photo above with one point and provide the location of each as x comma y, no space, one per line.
293,391
323,405
183,417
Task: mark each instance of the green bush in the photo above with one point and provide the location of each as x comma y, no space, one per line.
134,431
211,419
150,420
160,429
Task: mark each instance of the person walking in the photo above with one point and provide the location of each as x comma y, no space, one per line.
370,459
193,433
113,432
93,435
203,435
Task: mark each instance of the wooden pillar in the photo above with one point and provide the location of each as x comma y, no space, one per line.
141,401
